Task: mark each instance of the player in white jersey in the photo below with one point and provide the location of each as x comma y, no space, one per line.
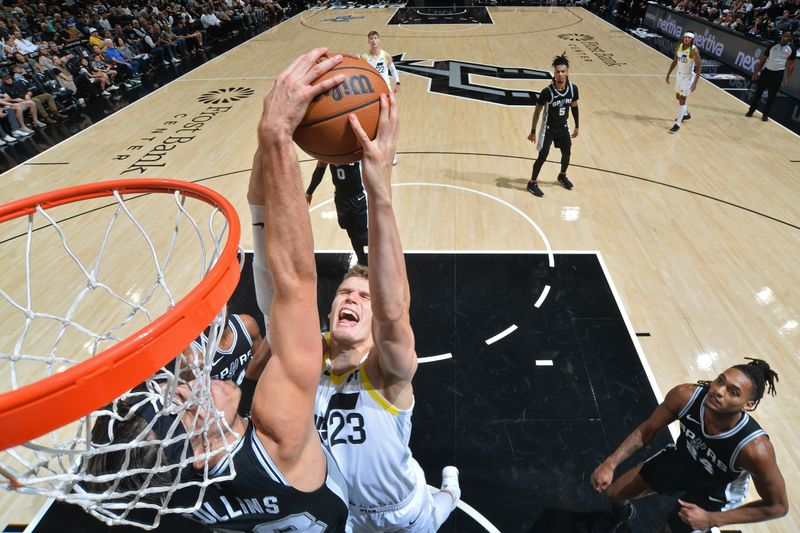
687,59
382,62
364,404
365,397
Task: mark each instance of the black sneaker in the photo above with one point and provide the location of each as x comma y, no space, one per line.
564,180
749,114
764,118
675,128
687,116
624,516
534,189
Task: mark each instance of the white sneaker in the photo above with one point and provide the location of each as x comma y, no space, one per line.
105,93
450,483
39,124
10,139
27,130
2,142
166,62
176,60
112,88
20,133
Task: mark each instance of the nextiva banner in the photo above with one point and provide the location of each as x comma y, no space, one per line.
732,49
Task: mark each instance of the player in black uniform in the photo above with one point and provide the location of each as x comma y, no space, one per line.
285,479
554,100
240,355
720,446
350,199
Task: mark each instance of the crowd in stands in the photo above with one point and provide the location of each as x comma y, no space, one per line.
759,19
56,55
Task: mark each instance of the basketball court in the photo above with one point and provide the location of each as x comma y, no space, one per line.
550,326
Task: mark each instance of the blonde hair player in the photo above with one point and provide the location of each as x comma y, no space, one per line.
687,59
365,398
382,61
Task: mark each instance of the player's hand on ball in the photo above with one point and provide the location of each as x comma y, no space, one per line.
286,103
378,153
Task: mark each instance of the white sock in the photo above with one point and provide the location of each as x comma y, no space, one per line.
681,114
262,277
443,505
445,500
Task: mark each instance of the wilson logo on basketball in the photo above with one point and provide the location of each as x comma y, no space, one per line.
575,37
225,96
353,85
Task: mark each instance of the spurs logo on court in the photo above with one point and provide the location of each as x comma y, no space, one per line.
225,96
342,18
576,37
454,78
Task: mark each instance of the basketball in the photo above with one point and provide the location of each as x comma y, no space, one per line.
325,131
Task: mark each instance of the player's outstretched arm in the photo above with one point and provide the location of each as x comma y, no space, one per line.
388,282
283,402
663,415
758,458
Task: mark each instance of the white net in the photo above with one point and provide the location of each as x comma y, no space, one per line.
82,277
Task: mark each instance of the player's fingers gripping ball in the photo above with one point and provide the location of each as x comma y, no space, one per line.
325,132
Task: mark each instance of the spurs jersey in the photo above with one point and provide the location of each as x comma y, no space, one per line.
381,64
368,437
259,499
348,189
685,67
230,364
708,462
556,106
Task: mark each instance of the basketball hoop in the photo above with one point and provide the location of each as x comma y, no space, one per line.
102,341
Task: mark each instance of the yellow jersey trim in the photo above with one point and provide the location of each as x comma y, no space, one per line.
379,399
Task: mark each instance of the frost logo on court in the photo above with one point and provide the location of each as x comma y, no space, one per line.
586,46
455,78
576,37
225,96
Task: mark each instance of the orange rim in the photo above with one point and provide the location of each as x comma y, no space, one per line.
43,406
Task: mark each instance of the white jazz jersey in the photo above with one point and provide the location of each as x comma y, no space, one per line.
381,64
368,437
685,69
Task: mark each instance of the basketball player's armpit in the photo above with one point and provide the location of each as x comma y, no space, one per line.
758,459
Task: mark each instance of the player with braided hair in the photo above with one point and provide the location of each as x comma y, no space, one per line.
554,100
719,448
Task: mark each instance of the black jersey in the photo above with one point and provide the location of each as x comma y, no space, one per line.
259,498
230,364
347,184
708,462
556,105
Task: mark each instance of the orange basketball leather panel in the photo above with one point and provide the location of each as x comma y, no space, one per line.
325,132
